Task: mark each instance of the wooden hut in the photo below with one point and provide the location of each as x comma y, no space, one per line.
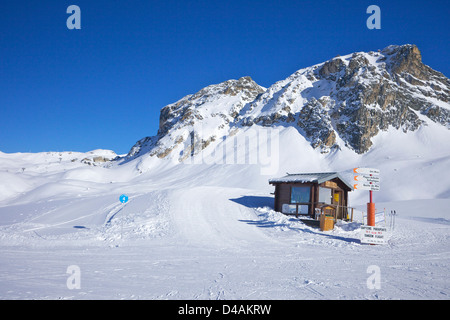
308,194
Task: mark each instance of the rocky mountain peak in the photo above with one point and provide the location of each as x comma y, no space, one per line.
218,105
343,102
353,97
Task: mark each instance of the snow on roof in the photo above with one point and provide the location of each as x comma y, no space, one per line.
318,177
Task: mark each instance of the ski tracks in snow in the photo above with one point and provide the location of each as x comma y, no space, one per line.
205,216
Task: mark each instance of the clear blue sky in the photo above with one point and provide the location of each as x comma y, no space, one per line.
104,85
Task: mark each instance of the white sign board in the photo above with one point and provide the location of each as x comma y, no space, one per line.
374,235
367,178
366,171
366,186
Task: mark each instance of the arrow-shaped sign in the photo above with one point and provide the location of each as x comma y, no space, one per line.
366,186
366,171
367,178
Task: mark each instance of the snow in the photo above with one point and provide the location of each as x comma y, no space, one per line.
209,231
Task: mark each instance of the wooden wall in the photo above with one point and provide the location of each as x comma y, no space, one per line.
283,193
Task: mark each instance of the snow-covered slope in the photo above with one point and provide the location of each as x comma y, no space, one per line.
196,231
24,173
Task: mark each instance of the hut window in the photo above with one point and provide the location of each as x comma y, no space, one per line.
303,209
300,194
292,208
289,208
325,195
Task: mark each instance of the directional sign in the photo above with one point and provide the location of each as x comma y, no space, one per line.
367,178
366,171
366,186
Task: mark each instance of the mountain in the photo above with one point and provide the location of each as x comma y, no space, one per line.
341,103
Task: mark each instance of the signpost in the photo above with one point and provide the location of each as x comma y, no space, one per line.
368,179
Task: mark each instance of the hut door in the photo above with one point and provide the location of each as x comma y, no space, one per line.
338,202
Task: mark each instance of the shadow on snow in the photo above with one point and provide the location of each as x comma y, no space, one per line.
254,202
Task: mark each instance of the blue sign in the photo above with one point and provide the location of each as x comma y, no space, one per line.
123,198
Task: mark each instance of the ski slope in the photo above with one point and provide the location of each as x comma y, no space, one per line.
208,231
219,249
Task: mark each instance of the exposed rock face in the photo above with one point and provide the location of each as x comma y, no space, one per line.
315,121
182,122
195,107
356,96
345,101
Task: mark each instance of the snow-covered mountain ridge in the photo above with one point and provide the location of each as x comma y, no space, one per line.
341,103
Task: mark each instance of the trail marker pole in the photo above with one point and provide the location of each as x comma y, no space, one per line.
368,179
123,199
370,211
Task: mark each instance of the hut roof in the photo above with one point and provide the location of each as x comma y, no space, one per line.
317,177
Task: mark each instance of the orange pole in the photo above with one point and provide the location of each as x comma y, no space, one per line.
371,212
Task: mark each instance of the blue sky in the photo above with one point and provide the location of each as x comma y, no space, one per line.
104,85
